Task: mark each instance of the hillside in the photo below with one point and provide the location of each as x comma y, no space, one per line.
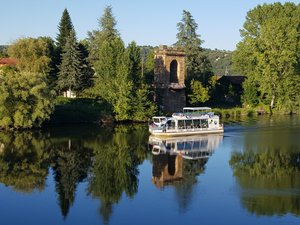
220,61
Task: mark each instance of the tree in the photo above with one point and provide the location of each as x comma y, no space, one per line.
133,58
107,32
71,67
118,77
65,27
199,93
34,55
25,100
198,66
269,55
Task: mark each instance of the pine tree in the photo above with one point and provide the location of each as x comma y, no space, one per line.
107,32
70,70
65,26
198,66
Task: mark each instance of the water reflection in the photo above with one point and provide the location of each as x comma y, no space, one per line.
115,163
24,160
178,158
267,169
70,161
106,159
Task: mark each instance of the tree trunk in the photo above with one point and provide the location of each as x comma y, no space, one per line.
272,103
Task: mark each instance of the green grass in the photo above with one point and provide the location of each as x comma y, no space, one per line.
79,110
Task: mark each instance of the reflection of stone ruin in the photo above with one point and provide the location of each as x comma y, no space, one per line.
169,76
166,168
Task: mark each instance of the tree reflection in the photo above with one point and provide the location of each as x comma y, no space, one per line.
24,160
115,163
269,180
185,190
71,162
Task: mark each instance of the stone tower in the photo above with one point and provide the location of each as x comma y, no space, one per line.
169,76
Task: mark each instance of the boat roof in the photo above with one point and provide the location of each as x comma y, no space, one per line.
159,117
196,108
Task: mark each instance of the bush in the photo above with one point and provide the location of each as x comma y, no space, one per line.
25,100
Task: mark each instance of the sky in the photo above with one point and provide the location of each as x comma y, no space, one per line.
151,22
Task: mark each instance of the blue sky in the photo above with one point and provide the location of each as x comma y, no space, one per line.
145,22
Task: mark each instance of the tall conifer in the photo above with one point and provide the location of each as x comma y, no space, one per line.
71,67
65,26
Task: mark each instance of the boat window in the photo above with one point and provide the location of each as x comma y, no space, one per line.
204,123
156,120
188,123
196,145
180,124
196,123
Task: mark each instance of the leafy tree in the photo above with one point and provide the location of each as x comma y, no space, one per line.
111,78
198,66
269,55
3,51
118,77
25,100
34,54
107,32
64,28
142,108
149,68
199,93
71,68
86,80
133,57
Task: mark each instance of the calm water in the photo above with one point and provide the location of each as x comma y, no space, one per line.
90,175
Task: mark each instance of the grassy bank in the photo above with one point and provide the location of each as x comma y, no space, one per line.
79,110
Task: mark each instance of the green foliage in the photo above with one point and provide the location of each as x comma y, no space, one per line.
25,100
199,93
78,110
3,51
34,54
221,61
71,67
118,76
141,107
269,55
107,32
149,68
64,28
133,58
250,96
198,66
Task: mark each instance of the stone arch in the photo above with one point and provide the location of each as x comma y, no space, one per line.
174,71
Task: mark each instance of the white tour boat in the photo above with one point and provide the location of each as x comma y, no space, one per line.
192,121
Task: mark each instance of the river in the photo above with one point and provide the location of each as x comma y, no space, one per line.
121,175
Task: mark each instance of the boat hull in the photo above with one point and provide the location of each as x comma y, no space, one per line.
176,133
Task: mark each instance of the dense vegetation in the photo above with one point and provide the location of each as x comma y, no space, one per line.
102,68
269,55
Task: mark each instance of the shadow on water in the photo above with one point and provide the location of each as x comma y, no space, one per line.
178,161
267,169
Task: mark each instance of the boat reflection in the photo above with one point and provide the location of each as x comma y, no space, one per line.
178,158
